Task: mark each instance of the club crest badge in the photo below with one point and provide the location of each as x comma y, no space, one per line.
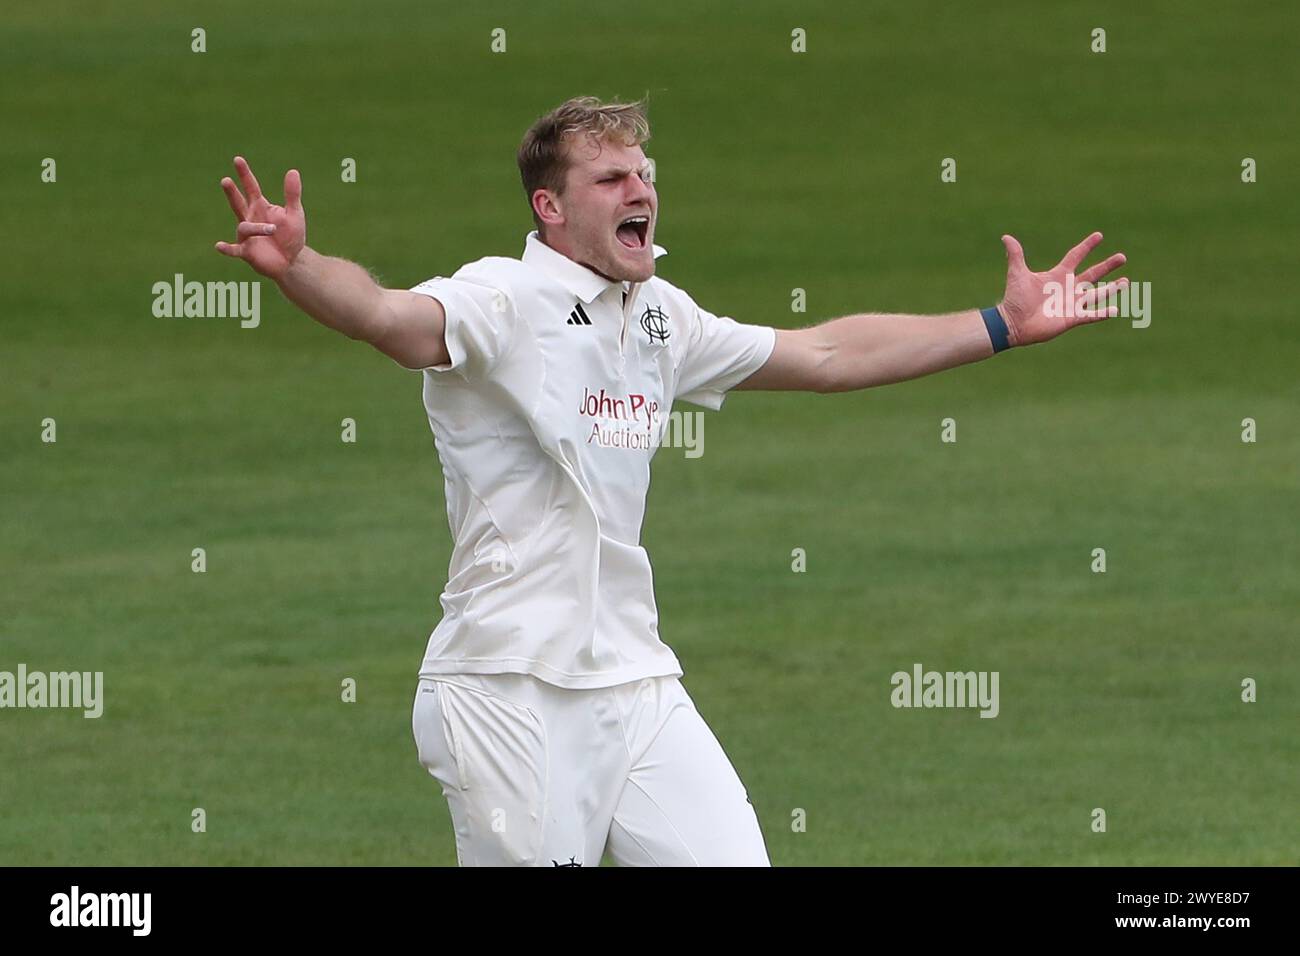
654,323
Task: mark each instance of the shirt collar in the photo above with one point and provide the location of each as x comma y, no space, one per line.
578,279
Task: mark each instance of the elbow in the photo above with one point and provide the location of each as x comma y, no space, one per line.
826,373
827,381
377,324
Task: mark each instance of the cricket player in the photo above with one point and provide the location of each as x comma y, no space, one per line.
548,708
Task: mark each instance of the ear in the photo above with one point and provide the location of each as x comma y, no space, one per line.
546,206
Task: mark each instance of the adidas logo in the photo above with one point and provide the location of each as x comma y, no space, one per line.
578,316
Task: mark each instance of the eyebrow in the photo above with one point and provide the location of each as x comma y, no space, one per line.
621,170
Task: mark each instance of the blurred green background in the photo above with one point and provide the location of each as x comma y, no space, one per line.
776,170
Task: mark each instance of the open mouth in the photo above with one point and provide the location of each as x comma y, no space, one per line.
632,231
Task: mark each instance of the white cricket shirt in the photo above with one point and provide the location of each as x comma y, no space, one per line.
545,421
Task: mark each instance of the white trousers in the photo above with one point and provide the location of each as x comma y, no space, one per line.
537,775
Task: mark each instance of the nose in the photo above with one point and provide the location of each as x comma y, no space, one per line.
639,192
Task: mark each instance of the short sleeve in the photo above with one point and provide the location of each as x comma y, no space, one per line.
720,354
480,322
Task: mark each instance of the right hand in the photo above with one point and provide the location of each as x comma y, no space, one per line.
269,237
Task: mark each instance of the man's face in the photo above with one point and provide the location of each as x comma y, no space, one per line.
607,213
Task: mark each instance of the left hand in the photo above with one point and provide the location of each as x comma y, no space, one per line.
1035,310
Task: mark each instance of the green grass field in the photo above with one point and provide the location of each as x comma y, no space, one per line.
776,170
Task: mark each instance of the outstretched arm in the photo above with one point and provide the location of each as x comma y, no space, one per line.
339,294
859,351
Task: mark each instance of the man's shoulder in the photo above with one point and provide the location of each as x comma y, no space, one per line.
668,293
509,274
504,278
663,287
489,268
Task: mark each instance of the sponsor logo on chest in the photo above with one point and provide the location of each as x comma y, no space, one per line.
612,420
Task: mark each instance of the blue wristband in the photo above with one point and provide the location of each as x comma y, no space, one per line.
997,328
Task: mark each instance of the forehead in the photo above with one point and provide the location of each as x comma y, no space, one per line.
587,154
